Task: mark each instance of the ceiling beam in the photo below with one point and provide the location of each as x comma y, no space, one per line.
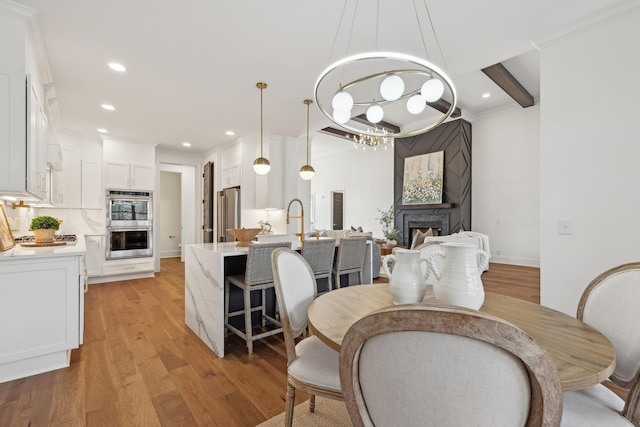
503,78
443,106
338,132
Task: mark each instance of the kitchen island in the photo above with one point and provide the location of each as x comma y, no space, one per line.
206,265
41,307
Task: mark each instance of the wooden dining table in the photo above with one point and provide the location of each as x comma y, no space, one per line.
583,355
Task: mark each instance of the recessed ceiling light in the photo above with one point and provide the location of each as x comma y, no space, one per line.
117,67
102,130
186,144
230,132
486,95
108,107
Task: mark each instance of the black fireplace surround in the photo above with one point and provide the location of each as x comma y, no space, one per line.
454,213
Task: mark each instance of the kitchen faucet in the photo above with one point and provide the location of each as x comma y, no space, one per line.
301,216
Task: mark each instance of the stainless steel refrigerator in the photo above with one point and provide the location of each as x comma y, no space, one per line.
228,213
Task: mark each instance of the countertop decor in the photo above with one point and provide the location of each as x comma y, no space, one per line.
244,235
6,238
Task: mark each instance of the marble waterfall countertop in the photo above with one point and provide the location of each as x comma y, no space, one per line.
204,287
19,252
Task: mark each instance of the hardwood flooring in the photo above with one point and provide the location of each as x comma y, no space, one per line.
141,366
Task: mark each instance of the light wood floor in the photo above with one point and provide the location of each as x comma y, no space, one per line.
140,365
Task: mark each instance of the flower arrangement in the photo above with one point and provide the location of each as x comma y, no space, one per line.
386,221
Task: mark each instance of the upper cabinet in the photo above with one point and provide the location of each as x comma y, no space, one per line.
37,150
129,175
231,176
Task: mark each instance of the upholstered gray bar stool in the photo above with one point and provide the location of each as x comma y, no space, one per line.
350,259
258,276
320,254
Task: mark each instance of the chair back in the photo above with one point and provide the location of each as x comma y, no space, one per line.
296,289
258,269
411,365
319,254
351,252
611,304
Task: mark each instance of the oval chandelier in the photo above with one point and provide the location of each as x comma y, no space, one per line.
364,92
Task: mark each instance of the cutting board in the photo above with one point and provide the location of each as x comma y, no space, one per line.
39,245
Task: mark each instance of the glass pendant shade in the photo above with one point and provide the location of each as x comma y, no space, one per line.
432,90
261,166
416,104
341,116
307,172
342,101
375,113
392,87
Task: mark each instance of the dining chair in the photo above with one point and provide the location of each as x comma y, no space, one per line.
258,276
320,255
611,304
350,258
312,366
417,365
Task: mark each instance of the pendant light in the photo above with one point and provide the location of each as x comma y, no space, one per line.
307,171
261,165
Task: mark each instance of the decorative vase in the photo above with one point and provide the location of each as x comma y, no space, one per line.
407,283
44,235
459,280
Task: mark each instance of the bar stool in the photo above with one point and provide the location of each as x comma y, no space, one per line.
350,259
320,254
258,277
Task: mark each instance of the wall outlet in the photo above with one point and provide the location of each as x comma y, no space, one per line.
565,226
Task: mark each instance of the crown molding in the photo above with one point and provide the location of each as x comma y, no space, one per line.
602,17
15,10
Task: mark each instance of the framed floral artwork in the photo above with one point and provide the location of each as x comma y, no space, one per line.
422,180
6,238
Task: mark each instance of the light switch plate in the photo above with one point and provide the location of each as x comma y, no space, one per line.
565,226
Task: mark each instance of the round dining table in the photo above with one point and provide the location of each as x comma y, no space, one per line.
583,355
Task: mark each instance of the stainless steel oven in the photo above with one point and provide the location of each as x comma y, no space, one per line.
129,242
129,208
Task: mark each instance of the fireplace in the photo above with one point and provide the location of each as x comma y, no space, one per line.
411,222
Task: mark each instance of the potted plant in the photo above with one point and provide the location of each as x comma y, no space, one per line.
44,228
386,221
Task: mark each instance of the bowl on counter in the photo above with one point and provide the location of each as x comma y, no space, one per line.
244,236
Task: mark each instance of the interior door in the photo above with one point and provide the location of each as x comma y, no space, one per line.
337,209
207,203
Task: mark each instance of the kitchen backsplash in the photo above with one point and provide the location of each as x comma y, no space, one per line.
77,221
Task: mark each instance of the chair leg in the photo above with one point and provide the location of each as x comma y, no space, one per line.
360,277
312,403
226,306
264,307
337,280
248,327
291,397
329,284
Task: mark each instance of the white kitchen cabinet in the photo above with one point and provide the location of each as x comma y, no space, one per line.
135,176
66,185
36,145
231,176
42,310
95,254
92,194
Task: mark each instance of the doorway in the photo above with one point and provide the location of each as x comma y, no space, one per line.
337,210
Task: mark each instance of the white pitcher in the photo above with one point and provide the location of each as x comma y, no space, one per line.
459,280
407,283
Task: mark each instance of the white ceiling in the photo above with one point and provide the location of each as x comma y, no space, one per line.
193,65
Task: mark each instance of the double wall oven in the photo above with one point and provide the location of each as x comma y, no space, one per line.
129,224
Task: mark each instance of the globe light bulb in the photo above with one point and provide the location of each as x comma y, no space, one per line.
432,90
307,172
342,101
261,166
392,87
375,113
341,116
416,104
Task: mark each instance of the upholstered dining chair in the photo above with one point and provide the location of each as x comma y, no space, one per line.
320,254
258,276
350,258
418,365
611,304
312,366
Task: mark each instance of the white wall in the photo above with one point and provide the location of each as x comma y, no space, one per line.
169,233
506,184
589,158
366,178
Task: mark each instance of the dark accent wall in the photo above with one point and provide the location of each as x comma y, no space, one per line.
454,138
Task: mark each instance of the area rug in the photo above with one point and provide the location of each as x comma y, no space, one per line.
328,413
